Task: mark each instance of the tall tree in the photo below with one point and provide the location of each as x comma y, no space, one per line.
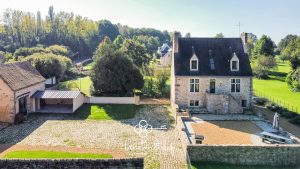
264,46
136,52
285,41
106,75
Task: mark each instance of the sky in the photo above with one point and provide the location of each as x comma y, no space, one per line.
202,18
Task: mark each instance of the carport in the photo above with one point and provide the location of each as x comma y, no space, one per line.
56,101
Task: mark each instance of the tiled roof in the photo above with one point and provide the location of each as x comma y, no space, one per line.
55,94
214,56
20,75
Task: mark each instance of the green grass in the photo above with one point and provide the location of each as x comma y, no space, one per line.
107,112
83,84
52,155
277,90
88,66
203,165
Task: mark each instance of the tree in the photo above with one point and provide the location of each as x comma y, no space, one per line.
285,41
292,51
105,48
136,52
118,42
293,80
219,35
106,28
50,65
262,65
264,46
187,35
251,43
115,75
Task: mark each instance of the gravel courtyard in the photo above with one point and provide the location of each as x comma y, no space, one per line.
160,146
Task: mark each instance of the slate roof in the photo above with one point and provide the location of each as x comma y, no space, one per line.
56,94
211,50
20,75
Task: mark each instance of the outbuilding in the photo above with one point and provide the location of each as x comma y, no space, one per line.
55,101
22,91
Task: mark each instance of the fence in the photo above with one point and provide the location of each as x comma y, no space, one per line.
279,102
114,100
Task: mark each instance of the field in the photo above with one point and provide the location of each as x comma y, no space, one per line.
229,166
83,84
52,155
277,90
106,112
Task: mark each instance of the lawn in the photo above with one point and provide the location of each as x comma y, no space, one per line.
277,90
83,84
107,111
88,66
52,155
229,166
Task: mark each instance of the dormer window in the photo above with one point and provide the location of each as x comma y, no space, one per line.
194,65
194,61
234,63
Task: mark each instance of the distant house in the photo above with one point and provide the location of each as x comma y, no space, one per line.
211,74
163,49
166,60
22,91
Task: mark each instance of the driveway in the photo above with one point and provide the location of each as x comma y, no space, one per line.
160,146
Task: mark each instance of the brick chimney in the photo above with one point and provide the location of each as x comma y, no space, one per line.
176,35
244,37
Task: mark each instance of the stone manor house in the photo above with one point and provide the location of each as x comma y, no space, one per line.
211,74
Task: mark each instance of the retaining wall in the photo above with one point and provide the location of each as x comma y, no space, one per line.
275,155
131,163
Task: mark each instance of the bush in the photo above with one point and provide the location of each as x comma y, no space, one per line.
288,114
293,80
260,101
295,120
263,65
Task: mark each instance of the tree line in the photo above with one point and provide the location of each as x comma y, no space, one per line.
80,34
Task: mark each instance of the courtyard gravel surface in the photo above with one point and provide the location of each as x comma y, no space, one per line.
160,146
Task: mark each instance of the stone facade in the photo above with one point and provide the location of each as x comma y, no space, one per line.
6,103
274,155
9,100
130,163
222,101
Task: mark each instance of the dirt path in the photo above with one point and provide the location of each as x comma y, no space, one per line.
283,122
18,147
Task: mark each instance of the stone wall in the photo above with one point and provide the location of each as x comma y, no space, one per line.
133,163
275,155
28,91
223,86
6,103
217,103
115,100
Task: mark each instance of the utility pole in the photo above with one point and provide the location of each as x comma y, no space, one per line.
239,25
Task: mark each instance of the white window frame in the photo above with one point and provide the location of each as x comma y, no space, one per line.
194,91
235,83
194,103
235,58
191,61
